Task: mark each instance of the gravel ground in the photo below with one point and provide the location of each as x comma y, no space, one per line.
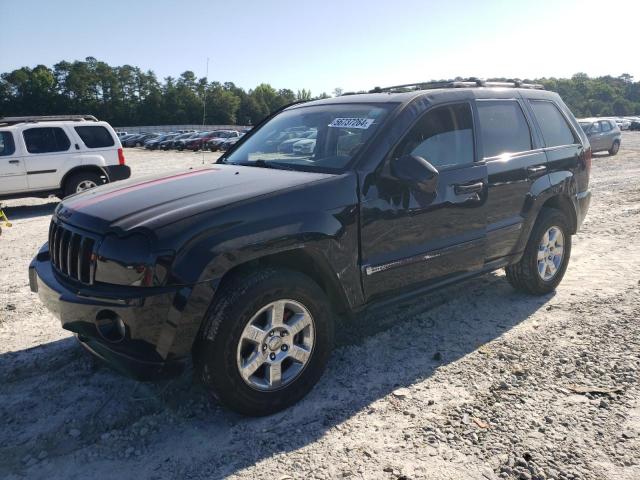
474,382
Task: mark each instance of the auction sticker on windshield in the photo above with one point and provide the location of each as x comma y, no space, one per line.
363,123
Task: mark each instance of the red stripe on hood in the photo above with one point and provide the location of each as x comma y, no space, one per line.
139,186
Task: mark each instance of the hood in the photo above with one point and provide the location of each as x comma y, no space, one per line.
157,201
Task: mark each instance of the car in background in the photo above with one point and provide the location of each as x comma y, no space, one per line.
154,143
138,140
229,142
220,137
635,123
170,143
622,123
287,145
303,147
58,154
182,144
121,134
603,134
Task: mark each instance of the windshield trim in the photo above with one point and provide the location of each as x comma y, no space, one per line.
392,108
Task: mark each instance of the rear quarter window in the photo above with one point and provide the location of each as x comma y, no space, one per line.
46,140
7,146
503,127
95,136
554,127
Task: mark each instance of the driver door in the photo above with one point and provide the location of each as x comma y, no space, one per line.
412,238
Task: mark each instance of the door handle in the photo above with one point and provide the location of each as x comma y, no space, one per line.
468,188
537,170
14,161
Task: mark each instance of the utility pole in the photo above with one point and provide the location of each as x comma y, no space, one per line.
204,102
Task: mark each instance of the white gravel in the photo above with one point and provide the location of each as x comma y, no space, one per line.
473,382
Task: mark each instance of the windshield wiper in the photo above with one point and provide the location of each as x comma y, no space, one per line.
266,164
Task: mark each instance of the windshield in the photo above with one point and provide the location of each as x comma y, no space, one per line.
317,138
585,126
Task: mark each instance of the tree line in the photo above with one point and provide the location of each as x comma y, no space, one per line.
127,95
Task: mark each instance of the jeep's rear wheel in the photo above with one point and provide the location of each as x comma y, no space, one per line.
265,341
80,182
614,148
546,255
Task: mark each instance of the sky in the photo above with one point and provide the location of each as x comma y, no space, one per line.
353,45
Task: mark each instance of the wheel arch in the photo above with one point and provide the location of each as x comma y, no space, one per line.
81,169
299,260
565,205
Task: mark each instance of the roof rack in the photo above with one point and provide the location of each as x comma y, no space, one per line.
467,83
47,118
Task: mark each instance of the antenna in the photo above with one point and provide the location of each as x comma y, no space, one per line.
204,103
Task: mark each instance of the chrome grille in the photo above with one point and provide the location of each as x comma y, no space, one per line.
72,253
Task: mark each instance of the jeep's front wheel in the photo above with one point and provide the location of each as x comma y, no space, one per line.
265,341
545,257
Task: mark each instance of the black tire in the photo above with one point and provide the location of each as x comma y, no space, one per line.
71,184
614,148
235,304
524,276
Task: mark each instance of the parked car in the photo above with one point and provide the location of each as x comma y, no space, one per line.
228,143
198,142
241,266
138,140
59,155
635,124
603,134
220,137
154,143
303,147
181,144
170,142
287,145
121,134
622,123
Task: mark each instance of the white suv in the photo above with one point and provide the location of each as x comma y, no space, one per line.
58,155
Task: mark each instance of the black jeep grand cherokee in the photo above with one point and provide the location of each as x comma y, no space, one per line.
243,264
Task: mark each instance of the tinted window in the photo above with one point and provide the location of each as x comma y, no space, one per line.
503,128
606,126
45,140
95,136
443,137
7,147
555,129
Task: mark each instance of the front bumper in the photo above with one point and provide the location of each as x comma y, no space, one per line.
118,172
154,343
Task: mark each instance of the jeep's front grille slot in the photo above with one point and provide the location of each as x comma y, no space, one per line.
72,253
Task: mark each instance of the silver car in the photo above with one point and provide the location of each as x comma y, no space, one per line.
604,134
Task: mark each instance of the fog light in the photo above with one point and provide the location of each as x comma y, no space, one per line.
110,326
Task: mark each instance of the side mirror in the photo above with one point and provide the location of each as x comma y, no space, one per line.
416,172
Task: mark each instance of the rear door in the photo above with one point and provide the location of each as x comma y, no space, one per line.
408,237
47,150
13,176
595,137
515,162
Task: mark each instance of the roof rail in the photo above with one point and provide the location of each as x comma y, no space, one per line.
467,83
47,118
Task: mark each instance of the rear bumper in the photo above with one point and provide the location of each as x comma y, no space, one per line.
147,350
118,172
582,202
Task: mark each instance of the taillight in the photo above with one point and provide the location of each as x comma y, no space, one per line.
120,156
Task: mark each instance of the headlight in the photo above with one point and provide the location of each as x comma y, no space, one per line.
130,261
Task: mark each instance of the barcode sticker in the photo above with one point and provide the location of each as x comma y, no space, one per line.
362,123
